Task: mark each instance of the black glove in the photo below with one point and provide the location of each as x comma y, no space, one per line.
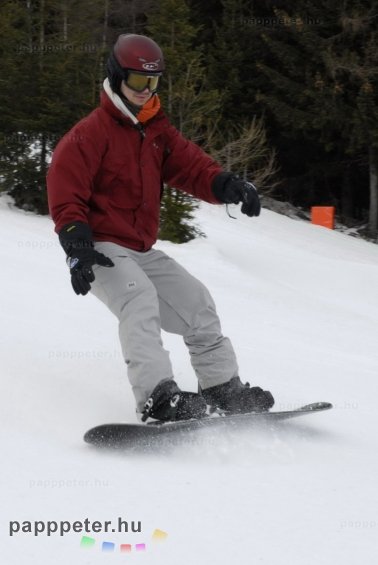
76,240
230,189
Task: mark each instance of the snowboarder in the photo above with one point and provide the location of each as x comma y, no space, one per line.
104,189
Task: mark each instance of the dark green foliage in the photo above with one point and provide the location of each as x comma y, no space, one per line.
321,94
50,68
176,217
23,177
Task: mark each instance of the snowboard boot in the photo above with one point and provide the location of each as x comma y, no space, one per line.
169,403
234,397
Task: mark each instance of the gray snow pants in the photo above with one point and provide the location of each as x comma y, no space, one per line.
149,291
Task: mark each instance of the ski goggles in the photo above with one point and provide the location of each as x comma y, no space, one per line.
140,81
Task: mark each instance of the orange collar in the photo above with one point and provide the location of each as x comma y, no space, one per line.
150,109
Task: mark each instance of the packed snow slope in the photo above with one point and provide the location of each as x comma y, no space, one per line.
300,304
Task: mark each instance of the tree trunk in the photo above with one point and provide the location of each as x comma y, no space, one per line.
41,33
373,209
347,208
43,140
101,62
43,154
65,21
29,25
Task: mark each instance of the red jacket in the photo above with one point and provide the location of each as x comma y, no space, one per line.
104,173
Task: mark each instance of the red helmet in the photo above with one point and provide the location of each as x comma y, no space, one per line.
133,52
139,53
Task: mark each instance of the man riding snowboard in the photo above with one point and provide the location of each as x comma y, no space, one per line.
104,190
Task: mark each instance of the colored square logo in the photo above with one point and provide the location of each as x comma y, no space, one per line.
125,548
140,546
108,546
159,535
87,542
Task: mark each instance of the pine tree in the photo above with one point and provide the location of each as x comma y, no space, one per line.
52,51
187,98
322,71
18,157
238,138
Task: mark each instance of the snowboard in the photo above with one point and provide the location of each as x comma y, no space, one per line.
128,435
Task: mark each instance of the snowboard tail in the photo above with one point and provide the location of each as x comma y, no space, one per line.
124,434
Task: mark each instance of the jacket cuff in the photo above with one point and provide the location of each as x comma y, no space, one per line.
218,186
75,235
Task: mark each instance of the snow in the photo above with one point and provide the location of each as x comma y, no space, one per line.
300,304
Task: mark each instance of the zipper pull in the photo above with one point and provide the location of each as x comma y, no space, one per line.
140,128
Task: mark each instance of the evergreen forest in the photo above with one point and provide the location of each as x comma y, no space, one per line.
282,93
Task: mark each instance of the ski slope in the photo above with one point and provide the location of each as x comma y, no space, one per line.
300,304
